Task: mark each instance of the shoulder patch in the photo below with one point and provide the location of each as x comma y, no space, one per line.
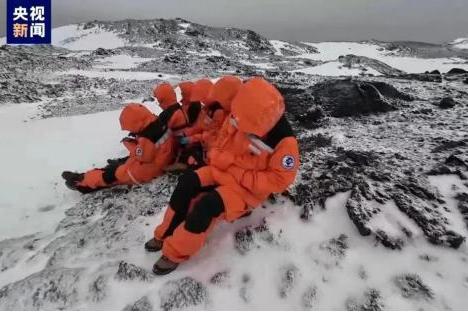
288,162
139,151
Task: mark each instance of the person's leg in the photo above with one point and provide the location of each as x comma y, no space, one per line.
190,236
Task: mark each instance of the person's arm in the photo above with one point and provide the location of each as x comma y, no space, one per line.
280,174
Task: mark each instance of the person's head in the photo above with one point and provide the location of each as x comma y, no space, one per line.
186,91
200,91
224,91
165,95
257,107
135,118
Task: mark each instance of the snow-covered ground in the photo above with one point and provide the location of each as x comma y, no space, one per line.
75,37
331,51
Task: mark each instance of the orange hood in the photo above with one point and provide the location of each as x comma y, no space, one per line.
186,91
224,91
165,95
135,118
257,107
201,90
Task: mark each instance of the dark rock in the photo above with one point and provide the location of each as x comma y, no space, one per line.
102,52
447,102
142,304
449,144
342,98
353,61
394,243
429,219
182,294
412,287
456,71
49,289
465,81
426,77
220,278
248,237
463,205
128,271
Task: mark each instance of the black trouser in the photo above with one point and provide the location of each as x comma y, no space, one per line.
208,207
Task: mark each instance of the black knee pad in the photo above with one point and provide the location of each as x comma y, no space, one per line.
109,173
208,207
187,188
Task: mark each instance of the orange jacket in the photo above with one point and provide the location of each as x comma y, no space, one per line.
252,167
153,139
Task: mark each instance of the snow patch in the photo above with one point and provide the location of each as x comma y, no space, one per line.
336,68
460,43
121,61
75,37
331,51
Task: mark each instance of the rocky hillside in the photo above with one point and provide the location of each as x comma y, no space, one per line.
377,218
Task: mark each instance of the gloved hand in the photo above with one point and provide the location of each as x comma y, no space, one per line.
183,140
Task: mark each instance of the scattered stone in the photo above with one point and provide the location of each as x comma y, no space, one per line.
447,102
49,289
128,271
142,304
289,276
182,294
412,287
456,71
336,246
372,301
220,278
309,297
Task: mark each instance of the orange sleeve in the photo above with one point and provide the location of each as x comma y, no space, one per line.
196,137
177,120
218,118
280,174
145,150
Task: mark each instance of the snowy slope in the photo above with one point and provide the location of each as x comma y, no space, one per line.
460,43
331,51
306,250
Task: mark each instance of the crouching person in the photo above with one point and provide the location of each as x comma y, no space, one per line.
256,154
151,148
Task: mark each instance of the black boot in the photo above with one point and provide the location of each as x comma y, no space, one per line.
153,245
164,266
72,179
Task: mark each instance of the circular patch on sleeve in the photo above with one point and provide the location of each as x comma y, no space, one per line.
139,151
288,162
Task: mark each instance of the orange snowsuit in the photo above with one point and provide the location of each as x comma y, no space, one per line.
245,167
152,146
151,149
217,106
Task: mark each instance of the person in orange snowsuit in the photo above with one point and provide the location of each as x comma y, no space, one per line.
217,101
151,145
256,154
